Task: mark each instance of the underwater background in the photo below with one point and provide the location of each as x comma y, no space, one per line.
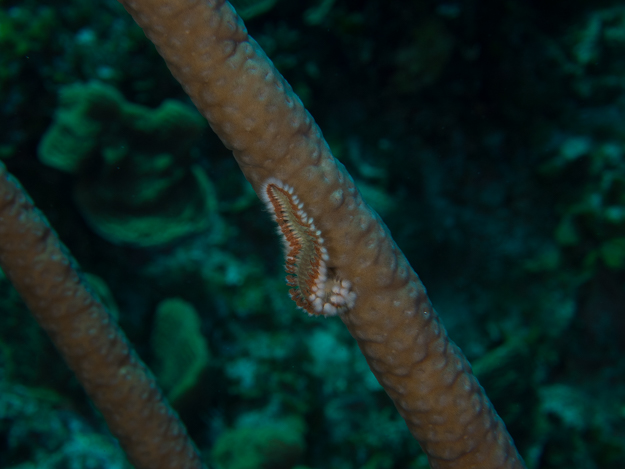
490,137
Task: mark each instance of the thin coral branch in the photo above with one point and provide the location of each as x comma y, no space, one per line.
92,344
256,114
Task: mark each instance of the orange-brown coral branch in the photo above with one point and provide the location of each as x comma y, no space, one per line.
95,348
256,114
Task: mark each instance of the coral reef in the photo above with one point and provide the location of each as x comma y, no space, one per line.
500,172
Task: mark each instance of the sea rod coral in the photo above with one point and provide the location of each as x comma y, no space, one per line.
256,114
86,335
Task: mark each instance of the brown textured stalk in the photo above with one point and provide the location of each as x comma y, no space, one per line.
94,347
257,115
